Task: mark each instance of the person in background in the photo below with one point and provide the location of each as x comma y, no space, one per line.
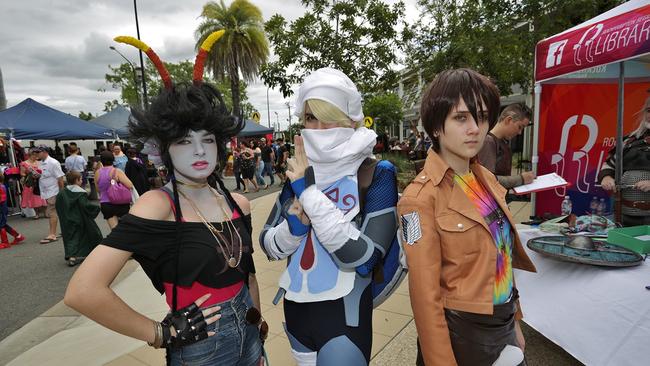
136,172
268,157
248,166
76,162
50,182
120,159
259,165
282,157
4,212
636,172
236,168
30,171
459,235
77,215
496,154
112,212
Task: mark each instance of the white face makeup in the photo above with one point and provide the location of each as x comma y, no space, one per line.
194,156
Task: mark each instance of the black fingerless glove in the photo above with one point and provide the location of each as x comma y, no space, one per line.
189,324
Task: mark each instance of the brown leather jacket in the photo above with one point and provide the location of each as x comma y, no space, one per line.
453,264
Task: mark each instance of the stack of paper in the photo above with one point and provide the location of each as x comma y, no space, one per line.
542,183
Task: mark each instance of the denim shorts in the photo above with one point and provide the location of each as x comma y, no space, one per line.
235,343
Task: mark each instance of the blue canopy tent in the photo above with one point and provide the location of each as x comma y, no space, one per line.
117,120
254,129
31,120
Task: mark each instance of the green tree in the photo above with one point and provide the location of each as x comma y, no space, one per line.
495,37
121,77
86,116
386,111
242,49
293,130
110,105
358,37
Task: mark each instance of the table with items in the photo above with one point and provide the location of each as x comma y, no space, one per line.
600,315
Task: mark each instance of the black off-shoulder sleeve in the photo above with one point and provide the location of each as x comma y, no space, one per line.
140,236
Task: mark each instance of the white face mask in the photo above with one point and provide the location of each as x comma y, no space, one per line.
337,152
194,156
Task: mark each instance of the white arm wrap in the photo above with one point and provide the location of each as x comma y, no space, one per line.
328,222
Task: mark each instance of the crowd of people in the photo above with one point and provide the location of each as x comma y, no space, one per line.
254,159
57,190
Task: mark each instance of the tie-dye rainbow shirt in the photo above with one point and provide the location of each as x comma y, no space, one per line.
485,204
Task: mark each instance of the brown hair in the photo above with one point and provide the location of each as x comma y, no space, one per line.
518,112
444,92
72,176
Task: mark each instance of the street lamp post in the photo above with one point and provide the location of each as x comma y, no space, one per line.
277,120
144,79
135,77
289,106
268,110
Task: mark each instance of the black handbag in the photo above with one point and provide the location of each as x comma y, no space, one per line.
36,189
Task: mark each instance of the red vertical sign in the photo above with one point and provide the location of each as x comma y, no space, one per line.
577,130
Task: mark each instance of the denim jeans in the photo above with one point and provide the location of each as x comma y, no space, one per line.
258,174
235,343
268,169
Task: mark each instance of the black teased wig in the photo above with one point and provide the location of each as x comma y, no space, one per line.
178,110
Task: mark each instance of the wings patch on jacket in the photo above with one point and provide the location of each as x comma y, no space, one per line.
411,227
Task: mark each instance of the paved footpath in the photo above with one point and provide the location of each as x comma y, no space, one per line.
60,336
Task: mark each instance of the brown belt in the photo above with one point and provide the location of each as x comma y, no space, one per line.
641,205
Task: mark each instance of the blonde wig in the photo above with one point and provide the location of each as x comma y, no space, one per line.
327,112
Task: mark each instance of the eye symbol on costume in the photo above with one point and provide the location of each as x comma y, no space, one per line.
348,201
411,229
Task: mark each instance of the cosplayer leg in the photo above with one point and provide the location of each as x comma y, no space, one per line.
341,351
510,356
17,236
303,355
4,242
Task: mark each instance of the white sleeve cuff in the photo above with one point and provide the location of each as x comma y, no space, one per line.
279,242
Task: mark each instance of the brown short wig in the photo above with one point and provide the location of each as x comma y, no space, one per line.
72,176
444,92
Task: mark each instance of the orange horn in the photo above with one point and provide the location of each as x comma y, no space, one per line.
206,46
164,74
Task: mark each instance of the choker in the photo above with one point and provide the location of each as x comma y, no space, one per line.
192,185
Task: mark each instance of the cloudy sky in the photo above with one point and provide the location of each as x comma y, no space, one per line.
57,51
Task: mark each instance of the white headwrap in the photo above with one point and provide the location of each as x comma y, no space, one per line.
334,87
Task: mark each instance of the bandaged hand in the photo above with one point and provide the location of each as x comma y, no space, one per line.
298,163
296,209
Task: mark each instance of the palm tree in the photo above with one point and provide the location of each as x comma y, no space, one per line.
243,48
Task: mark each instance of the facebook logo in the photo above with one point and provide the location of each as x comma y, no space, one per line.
554,56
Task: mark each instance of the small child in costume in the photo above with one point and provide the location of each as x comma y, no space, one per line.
4,212
77,216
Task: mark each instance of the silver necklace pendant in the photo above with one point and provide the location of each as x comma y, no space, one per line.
232,262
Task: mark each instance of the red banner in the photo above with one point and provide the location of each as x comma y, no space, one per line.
617,38
577,129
